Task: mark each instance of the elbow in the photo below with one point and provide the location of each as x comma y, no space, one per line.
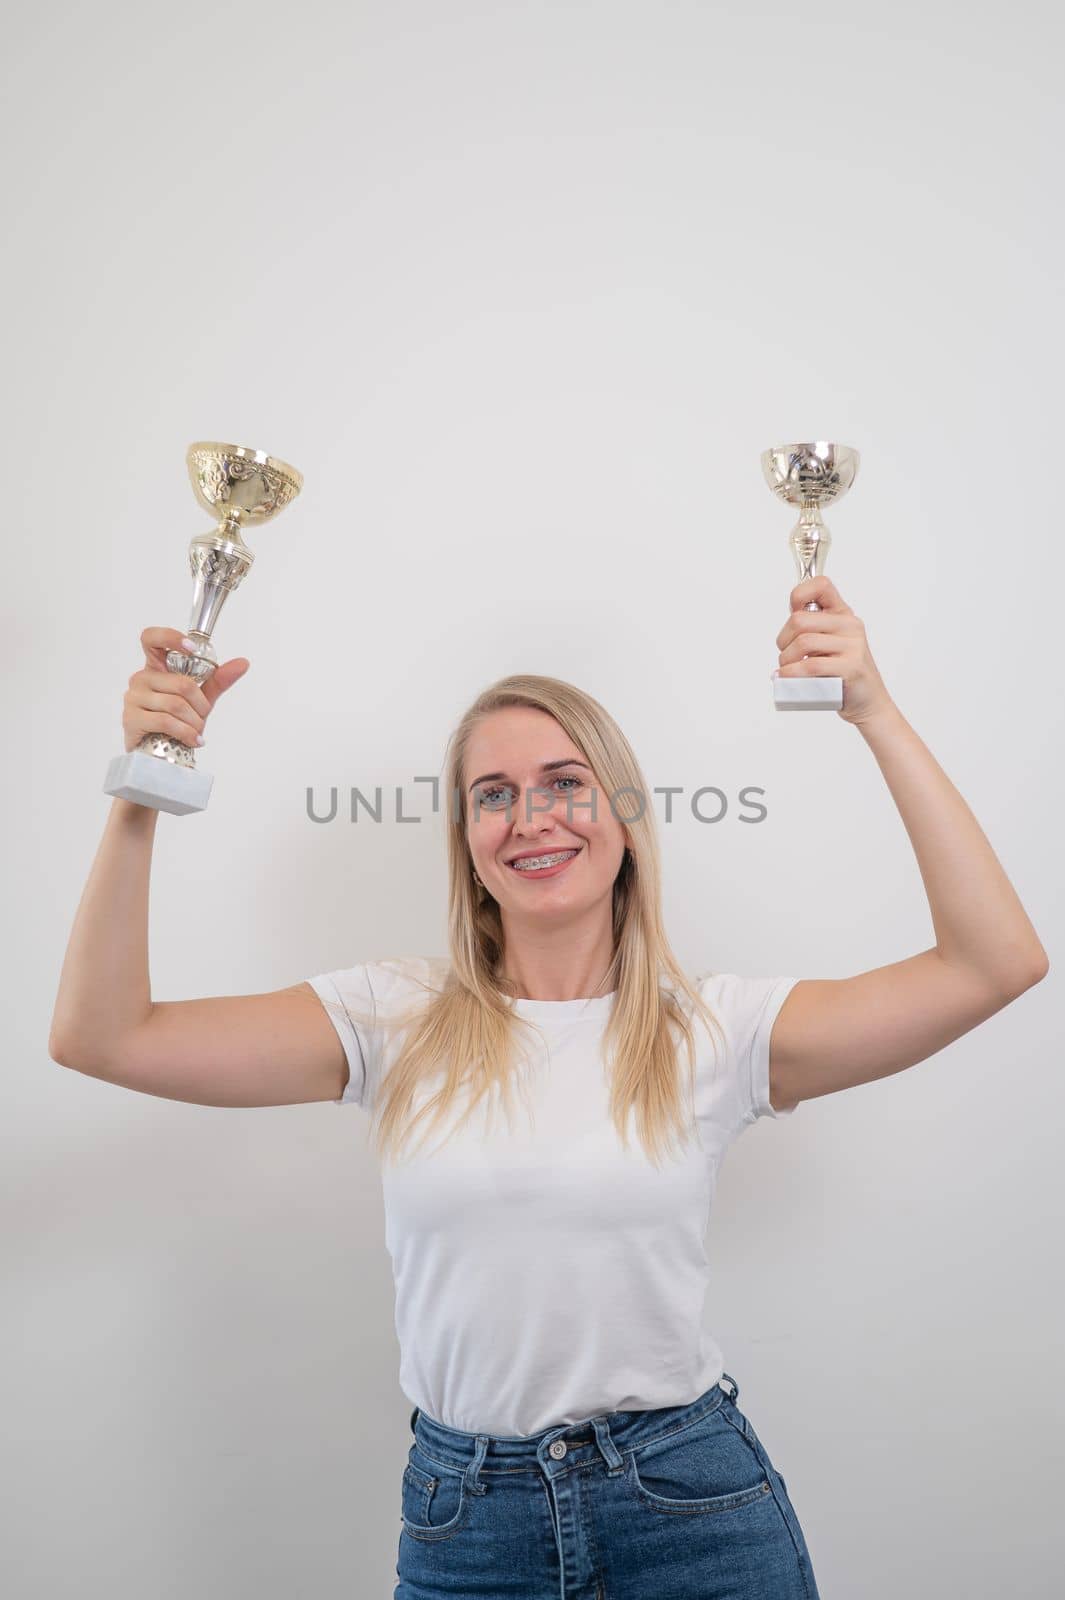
63,1049
1026,976
57,1049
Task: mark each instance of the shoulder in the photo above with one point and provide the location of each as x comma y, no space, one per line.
744,1007
391,981
734,991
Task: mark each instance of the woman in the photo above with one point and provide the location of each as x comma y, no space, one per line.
574,1432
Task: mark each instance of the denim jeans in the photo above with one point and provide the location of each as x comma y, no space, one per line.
679,1503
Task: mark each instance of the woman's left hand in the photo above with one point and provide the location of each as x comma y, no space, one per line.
834,645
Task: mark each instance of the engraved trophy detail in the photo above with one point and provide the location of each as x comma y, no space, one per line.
809,476
239,486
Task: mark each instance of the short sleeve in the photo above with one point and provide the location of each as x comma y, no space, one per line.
747,1009
341,993
361,1002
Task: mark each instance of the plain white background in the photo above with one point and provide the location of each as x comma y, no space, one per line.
524,291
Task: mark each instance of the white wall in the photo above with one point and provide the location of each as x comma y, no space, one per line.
526,289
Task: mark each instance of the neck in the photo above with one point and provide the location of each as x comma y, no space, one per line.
547,977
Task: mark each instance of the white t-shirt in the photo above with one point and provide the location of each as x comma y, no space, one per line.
546,1275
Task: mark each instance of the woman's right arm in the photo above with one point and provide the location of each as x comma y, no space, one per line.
278,1048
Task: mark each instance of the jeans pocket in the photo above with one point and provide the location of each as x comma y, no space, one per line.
434,1504
703,1468
746,1434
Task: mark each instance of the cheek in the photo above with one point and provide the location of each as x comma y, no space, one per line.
485,833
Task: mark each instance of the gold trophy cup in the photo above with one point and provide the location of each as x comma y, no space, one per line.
239,486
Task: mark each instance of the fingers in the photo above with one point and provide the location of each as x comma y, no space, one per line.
812,667
157,641
175,685
839,624
821,589
813,644
224,677
150,712
172,703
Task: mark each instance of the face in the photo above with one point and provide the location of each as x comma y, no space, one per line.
514,806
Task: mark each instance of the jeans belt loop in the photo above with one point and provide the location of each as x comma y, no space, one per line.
604,1439
473,1482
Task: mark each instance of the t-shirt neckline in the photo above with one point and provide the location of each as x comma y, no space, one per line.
562,1010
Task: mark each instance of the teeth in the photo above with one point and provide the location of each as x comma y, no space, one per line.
530,863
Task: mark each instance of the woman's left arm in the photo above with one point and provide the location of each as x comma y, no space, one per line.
833,1033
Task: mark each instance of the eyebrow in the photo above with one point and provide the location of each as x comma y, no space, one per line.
548,766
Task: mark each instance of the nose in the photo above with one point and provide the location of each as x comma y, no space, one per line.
534,813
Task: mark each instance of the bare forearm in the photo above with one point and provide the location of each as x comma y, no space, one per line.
104,987
978,919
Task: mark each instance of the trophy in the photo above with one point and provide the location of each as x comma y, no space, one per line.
239,486
809,476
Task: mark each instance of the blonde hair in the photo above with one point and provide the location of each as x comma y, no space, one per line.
468,1025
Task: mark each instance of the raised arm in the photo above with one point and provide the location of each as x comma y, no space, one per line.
834,1033
277,1048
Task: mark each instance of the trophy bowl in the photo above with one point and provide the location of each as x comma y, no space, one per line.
810,474
240,485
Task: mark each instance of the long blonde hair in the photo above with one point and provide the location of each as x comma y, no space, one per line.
468,1025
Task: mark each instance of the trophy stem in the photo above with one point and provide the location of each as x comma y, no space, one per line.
219,562
810,542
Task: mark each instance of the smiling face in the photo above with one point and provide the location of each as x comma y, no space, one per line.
529,789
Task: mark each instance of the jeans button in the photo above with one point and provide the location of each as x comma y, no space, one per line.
557,1448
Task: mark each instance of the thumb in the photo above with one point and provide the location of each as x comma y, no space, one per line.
225,676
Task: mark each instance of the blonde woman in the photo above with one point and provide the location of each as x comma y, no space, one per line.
551,1105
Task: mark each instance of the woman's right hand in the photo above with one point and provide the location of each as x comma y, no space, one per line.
171,703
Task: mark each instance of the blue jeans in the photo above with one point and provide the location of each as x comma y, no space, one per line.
679,1503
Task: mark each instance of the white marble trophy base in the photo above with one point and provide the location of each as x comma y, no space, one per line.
808,694
155,782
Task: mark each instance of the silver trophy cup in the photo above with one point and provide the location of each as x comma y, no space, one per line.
809,476
239,486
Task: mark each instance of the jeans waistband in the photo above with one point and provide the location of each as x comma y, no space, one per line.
565,1446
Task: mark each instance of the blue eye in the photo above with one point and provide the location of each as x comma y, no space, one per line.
485,796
